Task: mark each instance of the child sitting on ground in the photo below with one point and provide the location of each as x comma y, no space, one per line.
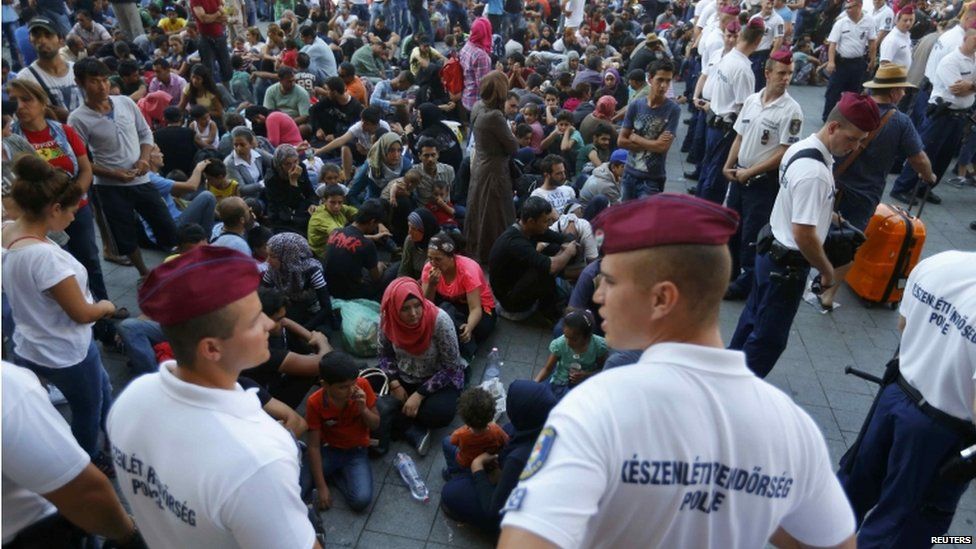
442,208
331,214
575,355
340,416
479,434
203,127
217,181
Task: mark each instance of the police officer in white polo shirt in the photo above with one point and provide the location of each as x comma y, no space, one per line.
198,460
730,84
793,241
677,450
884,19
923,416
851,54
771,41
897,45
948,111
948,42
770,121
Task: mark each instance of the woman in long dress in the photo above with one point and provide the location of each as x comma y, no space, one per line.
491,208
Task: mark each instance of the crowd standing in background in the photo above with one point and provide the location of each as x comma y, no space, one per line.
393,179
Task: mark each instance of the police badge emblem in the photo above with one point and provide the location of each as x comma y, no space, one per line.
543,445
765,137
795,126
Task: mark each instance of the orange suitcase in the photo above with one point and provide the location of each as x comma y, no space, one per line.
881,266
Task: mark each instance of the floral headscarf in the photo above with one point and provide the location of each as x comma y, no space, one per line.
296,258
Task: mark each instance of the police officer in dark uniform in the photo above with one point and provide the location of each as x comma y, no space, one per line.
793,241
851,55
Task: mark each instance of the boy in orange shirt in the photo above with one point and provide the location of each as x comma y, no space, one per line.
477,436
340,416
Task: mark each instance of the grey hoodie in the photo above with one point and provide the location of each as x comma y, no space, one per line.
602,182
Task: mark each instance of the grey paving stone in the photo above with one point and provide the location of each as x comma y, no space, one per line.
377,540
453,534
398,514
824,418
342,526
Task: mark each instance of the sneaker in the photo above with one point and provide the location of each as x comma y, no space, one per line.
691,175
56,396
932,198
423,445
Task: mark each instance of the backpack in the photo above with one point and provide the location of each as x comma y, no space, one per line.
452,76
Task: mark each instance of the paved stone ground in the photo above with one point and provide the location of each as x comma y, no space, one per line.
811,371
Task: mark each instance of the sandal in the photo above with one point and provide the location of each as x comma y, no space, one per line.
120,314
118,260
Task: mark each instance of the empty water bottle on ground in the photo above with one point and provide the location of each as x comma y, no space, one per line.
408,472
494,366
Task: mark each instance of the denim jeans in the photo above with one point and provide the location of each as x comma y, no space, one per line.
450,456
200,211
139,336
352,474
89,394
8,35
82,246
632,186
420,22
215,47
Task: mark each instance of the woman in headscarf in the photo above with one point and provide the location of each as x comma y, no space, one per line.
294,271
445,133
570,64
289,192
421,227
471,497
419,354
152,106
612,85
602,115
475,61
490,206
386,162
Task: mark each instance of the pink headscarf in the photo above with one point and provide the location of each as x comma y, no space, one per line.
481,34
153,105
606,107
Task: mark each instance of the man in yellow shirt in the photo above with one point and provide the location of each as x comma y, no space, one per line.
172,23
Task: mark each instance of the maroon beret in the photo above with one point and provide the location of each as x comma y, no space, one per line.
733,26
860,110
201,281
908,9
662,220
782,56
731,10
756,23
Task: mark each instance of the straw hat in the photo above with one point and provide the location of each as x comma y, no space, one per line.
890,75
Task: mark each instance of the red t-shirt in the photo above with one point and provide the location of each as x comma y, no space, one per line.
342,429
468,276
441,215
48,149
471,445
209,6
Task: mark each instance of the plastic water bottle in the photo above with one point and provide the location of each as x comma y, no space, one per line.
408,472
494,367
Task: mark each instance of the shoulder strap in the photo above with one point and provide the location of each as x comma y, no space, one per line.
26,237
839,170
43,84
813,153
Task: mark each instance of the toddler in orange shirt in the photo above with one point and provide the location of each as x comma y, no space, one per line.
479,434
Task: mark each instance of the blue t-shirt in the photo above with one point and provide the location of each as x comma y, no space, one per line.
865,177
787,14
650,123
495,7
27,51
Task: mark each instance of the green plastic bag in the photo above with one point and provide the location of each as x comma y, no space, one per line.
360,325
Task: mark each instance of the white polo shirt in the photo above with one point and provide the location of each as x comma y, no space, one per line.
666,453
712,42
764,128
948,42
39,453
884,19
704,11
954,66
896,48
938,345
204,467
707,70
806,193
775,28
734,82
852,38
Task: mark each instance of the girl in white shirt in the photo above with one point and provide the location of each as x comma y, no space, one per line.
47,290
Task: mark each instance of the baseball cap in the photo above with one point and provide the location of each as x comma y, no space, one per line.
44,23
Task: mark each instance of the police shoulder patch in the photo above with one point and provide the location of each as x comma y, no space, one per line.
543,445
514,501
795,126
